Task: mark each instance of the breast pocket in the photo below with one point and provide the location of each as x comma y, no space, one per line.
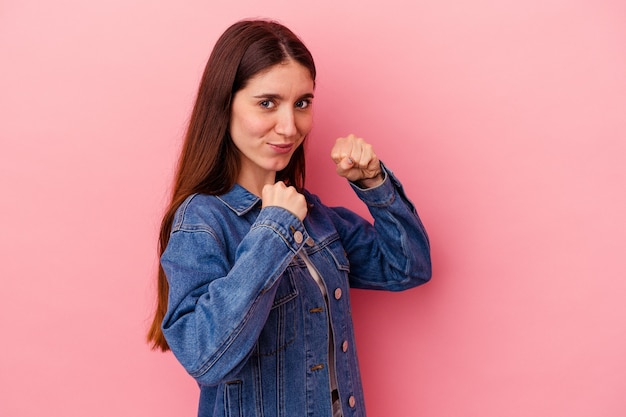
280,328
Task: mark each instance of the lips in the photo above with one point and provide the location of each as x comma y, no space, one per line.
281,148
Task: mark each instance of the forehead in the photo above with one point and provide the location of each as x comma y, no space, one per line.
288,75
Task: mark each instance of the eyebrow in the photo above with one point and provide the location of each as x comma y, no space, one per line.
279,97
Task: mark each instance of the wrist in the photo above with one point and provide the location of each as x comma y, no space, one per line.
371,182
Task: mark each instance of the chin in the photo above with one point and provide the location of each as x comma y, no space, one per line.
279,166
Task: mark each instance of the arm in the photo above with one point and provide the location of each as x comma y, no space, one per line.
216,309
394,253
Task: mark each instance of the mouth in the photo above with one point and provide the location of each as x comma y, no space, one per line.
281,148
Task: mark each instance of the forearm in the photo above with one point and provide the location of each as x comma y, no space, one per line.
399,248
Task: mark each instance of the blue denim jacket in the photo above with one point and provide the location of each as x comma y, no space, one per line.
246,319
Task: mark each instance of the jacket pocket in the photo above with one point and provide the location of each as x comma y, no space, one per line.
280,327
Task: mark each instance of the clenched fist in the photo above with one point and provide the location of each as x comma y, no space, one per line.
356,161
286,197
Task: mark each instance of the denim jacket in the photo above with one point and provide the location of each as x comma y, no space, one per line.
246,319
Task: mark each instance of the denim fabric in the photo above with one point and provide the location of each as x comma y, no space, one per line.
246,319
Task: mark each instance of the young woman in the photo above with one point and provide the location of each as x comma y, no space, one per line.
253,287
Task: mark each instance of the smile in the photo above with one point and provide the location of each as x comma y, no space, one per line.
281,148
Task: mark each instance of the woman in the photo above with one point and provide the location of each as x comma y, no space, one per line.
255,270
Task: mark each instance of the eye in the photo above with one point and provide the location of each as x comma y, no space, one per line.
267,104
303,104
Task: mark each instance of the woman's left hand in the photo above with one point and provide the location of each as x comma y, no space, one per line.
356,161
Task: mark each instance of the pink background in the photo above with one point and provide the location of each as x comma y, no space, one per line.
506,121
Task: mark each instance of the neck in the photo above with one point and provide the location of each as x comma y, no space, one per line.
255,183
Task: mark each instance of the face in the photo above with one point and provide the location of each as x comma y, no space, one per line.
269,119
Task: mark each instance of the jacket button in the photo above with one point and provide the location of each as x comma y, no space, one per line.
352,401
344,346
310,242
337,293
298,236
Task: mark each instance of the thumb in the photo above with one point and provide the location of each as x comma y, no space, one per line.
346,163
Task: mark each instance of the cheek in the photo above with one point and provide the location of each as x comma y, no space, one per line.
249,126
305,123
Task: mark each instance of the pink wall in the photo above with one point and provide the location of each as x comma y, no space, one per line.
506,121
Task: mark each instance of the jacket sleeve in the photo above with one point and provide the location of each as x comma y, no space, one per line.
393,253
217,307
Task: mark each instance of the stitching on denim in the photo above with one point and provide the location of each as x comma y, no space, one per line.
287,297
384,203
182,209
228,400
258,387
278,232
279,308
237,211
280,358
206,230
345,266
224,346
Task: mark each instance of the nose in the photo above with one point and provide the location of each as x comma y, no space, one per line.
286,123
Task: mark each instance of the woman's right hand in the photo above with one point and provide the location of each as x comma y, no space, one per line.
286,197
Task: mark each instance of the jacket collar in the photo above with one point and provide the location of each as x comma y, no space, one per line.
239,200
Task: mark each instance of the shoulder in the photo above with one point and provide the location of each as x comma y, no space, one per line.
197,212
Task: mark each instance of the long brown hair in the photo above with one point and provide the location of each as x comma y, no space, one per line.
209,161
